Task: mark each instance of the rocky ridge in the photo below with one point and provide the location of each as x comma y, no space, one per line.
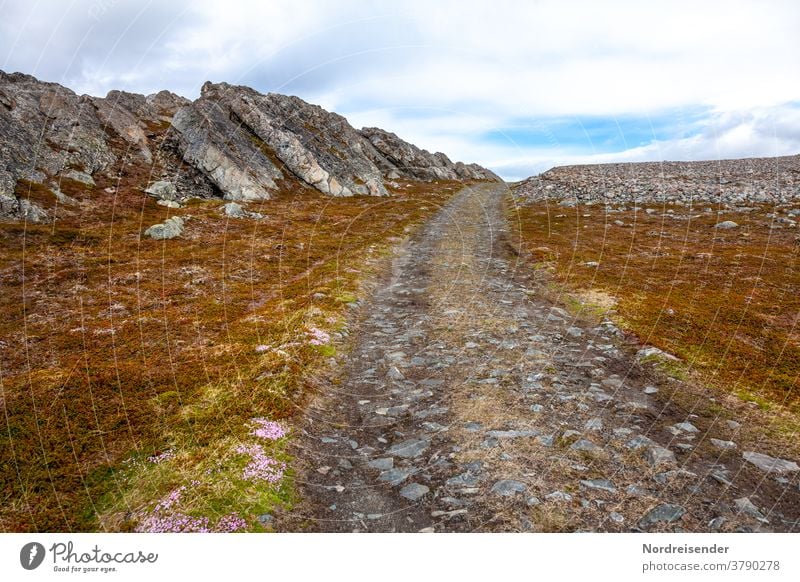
232,143
729,182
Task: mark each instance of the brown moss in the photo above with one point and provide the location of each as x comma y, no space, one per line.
111,341
726,302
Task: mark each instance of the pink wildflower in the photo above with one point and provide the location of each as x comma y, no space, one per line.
171,499
267,429
173,523
261,467
318,337
161,457
230,523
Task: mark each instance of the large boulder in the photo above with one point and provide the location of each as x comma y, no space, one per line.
162,190
170,228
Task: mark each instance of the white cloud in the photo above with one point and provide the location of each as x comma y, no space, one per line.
445,73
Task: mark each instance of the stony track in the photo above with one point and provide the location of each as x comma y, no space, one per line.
469,402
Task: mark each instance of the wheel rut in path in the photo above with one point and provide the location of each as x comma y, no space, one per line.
470,403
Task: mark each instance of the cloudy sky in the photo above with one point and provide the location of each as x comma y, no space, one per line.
516,86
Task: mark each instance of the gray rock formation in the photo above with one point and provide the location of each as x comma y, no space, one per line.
232,143
405,159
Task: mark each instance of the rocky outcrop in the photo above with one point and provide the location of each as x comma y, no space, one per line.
732,182
131,116
45,129
318,147
232,142
406,159
224,153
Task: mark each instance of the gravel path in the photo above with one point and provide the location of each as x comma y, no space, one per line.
470,403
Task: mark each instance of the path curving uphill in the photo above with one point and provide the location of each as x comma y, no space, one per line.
469,402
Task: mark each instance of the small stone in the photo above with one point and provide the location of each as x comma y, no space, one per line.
636,490
726,225
732,424
511,434
162,190
721,478
574,332
536,407
414,491
473,426
657,455
533,501
616,517
653,352
410,448
453,513
650,390
466,479
433,426
639,441
265,519
585,445
396,410
612,382
382,464
558,496
726,445
323,470
234,210
770,464
427,530
594,424
508,487
716,523
744,505
599,485
394,476
666,512
395,374
686,427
